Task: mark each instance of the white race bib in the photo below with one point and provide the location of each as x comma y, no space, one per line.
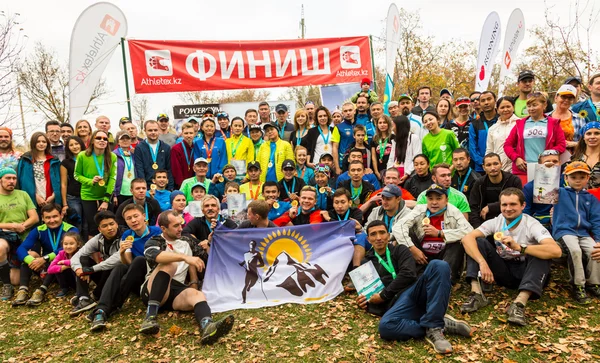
536,132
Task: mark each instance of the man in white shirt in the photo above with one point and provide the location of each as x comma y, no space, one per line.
171,257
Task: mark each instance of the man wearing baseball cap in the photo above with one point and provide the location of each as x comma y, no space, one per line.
253,188
405,104
285,128
273,152
165,133
439,227
256,135
200,170
526,83
590,108
446,94
290,185
565,97
576,82
224,129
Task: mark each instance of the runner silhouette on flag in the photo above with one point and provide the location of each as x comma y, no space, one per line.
252,261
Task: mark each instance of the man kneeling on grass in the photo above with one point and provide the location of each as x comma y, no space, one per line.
171,257
520,260
414,307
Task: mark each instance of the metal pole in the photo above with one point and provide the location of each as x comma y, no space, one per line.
126,78
373,64
22,115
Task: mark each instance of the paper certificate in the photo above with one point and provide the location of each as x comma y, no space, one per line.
236,203
545,184
366,280
239,165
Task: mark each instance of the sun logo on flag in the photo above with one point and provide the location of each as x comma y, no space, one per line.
284,241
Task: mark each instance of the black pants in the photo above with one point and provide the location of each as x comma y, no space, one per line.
530,274
454,254
26,274
122,280
99,278
90,208
66,279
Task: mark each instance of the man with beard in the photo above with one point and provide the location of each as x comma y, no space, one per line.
478,131
309,107
202,227
485,195
53,134
17,216
9,157
405,103
464,176
423,96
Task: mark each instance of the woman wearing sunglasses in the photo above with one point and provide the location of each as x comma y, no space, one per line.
532,135
95,170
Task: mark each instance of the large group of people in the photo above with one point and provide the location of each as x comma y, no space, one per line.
438,193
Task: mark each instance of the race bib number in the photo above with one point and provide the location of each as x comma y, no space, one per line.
535,132
433,248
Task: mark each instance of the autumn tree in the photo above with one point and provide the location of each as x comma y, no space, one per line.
303,94
11,46
45,82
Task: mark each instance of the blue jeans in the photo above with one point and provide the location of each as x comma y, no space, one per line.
421,306
75,212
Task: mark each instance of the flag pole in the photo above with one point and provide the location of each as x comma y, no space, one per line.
372,63
126,79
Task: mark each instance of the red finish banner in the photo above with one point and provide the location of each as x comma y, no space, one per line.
180,66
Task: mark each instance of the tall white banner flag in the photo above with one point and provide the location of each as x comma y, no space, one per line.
392,41
488,48
96,35
515,32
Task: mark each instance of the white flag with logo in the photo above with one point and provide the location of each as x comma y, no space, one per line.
515,32
96,35
488,48
258,267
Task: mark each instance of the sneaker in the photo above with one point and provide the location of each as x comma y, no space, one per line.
99,320
516,314
150,325
74,301
580,295
594,290
456,327
474,302
21,298
216,329
83,305
8,291
435,337
349,287
62,293
36,298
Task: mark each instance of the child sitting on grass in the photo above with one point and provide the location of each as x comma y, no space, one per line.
61,265
576,218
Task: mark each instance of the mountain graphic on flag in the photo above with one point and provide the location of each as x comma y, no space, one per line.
300,276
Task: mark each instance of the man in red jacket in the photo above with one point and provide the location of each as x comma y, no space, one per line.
182,158
306,214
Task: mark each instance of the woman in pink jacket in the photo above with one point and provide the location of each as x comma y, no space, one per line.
532,135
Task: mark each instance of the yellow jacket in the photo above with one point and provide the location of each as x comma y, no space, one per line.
245,150
283,151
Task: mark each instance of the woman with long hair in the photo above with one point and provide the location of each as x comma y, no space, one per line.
318,139
445,109
38,172
96,169
381,145
69,187
420,178
499,131
301,127
588,151
405,146
83,130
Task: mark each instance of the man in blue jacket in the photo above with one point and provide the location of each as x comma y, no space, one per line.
478,130
151,155
37,251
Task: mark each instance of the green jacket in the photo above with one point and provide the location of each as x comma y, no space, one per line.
85,171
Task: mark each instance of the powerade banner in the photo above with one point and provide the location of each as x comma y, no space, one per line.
392,41
96,35
515,32
180,66
488,48
254,268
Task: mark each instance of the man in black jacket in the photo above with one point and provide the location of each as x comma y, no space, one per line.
202,227
485,195
152,154
416,306
464,175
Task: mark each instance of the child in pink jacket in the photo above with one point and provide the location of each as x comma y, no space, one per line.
61,265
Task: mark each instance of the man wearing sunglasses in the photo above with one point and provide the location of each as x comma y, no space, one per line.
475,107
166,133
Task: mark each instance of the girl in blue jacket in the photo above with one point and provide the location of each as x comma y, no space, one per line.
211,147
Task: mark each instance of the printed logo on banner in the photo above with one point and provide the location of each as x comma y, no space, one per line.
158,63
350,57
507,59
482,73
110,25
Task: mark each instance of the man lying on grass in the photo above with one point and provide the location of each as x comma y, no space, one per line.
171,257
412,307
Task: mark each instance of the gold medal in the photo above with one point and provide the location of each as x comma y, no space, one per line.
275,205
425,221
322,190
101,183
152,186
209,160
498,236
155,166
294,203
182,221
129,239
221,179
129,174
326,147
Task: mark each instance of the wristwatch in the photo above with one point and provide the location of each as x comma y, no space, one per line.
46,258
523,248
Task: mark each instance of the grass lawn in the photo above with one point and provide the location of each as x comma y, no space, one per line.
335,331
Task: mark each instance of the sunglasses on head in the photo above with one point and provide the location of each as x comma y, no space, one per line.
222,115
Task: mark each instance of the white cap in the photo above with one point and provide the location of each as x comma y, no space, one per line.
567,89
